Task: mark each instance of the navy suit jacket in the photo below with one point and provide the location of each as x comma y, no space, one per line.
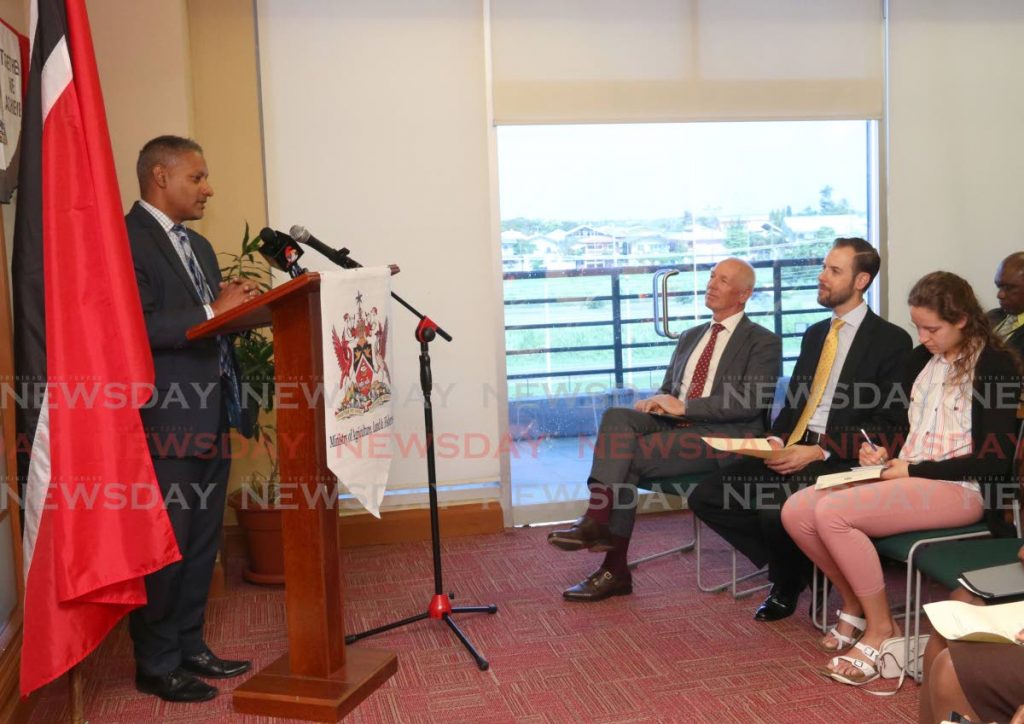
184,416
869,393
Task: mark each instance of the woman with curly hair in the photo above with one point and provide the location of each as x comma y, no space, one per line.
964,387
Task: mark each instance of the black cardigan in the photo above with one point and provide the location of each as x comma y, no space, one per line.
994,426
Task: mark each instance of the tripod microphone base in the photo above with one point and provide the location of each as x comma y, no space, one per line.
440,608
439,605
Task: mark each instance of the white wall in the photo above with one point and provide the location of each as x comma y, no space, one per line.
956,159
376,138
377,135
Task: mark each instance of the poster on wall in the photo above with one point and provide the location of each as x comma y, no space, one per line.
13,83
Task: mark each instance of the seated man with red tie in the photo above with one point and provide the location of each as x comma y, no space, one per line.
720,381
847,378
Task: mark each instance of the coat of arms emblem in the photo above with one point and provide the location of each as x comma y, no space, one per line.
361,351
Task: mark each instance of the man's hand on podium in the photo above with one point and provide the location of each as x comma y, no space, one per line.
233,293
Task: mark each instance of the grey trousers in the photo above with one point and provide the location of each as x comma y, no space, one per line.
632,446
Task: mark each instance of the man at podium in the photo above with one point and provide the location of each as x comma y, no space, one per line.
197,400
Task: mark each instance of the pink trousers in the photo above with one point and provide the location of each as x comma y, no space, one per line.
834,527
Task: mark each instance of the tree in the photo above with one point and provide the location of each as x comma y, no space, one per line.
736,236
830,207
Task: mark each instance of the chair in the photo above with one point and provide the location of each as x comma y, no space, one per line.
904,547
945,562
680,486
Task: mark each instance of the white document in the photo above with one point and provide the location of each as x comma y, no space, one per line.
865,474
757,447
959,621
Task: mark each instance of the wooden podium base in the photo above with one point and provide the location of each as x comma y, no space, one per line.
275,691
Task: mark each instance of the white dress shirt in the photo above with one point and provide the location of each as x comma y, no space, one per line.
853,319
166,224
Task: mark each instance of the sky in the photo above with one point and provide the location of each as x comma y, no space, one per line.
648,171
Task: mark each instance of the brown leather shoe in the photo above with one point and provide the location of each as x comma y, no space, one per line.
599,585
584,533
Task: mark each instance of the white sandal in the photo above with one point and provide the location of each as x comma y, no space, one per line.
867,668
844,641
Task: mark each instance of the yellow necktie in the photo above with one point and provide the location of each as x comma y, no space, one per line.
1010,325
825,362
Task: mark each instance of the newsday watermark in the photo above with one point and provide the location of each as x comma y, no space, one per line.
291,395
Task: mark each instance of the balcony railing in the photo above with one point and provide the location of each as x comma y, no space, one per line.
586,331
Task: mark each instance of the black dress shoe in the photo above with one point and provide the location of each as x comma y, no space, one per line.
584,533
178,686
212,666
598,586
780,604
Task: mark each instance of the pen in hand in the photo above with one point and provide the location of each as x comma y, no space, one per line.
875,449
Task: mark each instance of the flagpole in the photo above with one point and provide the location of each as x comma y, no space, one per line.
77,695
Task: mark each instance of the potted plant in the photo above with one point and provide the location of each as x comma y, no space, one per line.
256,503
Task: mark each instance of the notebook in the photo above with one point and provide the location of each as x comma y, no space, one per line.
995,581
865,474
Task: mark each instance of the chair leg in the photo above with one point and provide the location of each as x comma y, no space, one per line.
819,603
747,591
733,579
700,584
912,666
684,548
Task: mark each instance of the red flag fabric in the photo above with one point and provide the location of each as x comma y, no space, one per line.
94,518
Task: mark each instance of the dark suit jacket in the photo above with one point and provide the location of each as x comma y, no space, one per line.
1016,340
744,384
868,395
184,417
994,428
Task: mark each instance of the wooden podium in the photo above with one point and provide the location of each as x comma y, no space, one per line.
318,679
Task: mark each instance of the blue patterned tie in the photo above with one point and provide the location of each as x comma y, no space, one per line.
227,367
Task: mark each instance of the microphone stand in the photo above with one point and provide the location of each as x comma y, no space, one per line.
440,606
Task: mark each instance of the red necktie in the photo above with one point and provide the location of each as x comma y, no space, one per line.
700,373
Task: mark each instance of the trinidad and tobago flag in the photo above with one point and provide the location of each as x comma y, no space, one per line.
94,519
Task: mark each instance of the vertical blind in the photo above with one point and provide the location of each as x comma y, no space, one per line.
607,61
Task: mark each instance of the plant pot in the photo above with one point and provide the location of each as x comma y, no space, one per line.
261,525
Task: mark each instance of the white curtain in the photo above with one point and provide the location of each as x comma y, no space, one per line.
607,61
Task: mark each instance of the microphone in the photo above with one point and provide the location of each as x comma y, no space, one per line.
338,256
281,251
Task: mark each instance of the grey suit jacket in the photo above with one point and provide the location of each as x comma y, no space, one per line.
744,384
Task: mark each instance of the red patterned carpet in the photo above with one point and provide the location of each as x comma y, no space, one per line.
668,653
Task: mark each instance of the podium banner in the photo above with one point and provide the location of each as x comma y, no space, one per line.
355,313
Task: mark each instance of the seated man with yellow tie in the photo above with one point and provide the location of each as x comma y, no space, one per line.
1008,319
847,378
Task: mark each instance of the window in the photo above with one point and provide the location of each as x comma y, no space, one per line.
589,213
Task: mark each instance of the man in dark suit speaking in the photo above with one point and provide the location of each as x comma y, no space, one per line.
846,379
720,381
197,399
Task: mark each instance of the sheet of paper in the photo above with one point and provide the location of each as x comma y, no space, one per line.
757,447
959,621
856,475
